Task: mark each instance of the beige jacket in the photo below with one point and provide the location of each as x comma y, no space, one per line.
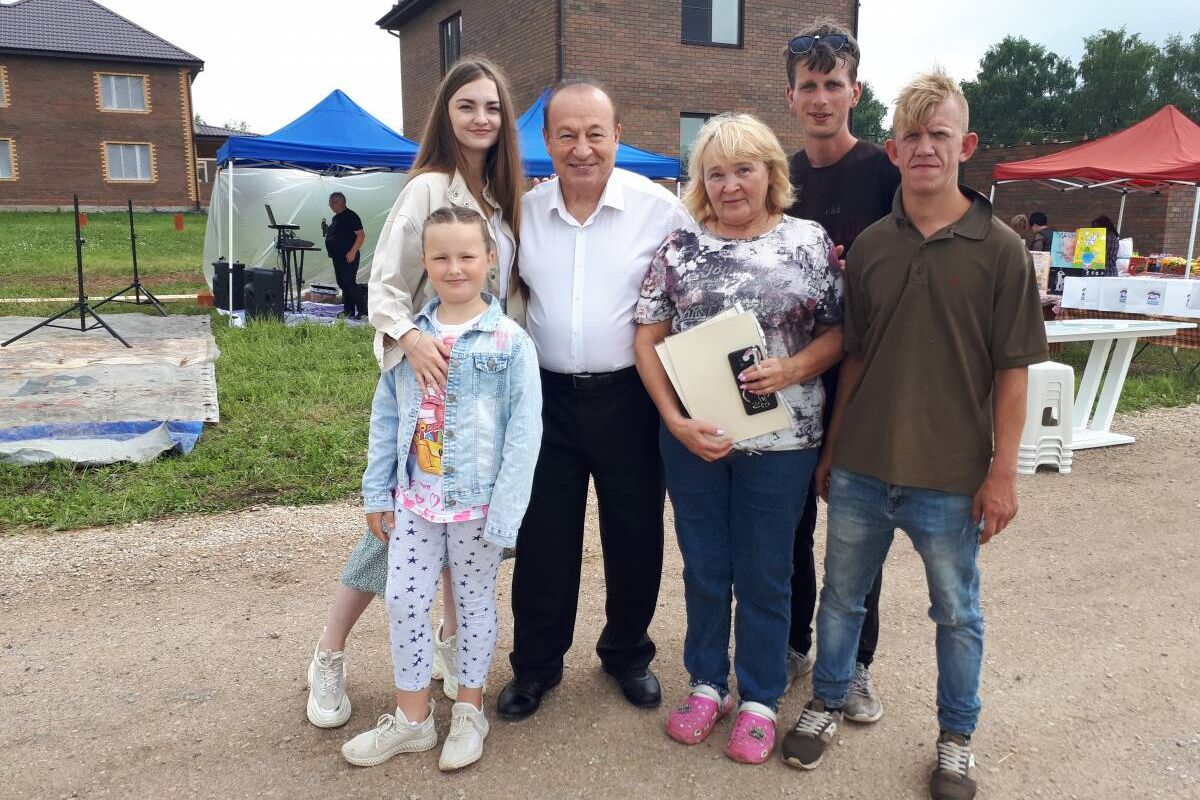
398,287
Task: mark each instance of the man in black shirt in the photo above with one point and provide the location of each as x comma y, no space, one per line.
343,240
845,185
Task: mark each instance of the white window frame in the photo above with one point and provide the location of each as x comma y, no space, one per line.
116,108
11,162
151,164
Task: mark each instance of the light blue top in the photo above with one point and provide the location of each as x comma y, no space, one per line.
493,424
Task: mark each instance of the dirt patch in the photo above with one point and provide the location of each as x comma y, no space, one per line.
167,660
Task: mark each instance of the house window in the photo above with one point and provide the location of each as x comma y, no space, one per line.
129,161
689,129
712,22
451,41
3,86
123,93
8,160
202,169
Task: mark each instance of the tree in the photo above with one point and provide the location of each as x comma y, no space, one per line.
1116,83
1176,76
867,122
197,119
1021,93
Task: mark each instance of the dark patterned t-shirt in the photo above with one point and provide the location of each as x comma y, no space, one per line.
788,277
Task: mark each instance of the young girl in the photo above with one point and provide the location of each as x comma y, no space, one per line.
468,159
448,477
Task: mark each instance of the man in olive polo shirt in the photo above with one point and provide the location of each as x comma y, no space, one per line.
942,320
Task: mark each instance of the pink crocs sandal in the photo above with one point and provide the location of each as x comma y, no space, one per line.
692,720
753,737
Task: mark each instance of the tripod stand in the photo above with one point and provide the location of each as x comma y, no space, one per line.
136,287
81,305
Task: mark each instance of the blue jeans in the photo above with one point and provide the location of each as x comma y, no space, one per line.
863,515
736,523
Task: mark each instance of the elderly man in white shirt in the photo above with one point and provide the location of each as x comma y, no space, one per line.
586,241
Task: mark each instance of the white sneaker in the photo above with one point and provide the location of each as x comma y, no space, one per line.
798,665
328,704
392,734
464,746
445,663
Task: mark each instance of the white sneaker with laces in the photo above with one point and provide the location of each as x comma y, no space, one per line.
445,663
464,746
328,703
393,734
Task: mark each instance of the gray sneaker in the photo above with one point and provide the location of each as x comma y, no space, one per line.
954,778
862,704
805,744
798,665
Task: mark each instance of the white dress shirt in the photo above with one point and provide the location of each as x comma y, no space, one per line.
585,279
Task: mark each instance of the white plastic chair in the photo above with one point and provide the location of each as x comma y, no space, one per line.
1046,438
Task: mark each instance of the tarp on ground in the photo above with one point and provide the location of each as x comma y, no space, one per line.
1161,149
334,135
536,159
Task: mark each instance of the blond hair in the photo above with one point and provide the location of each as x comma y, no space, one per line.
922,95
737,137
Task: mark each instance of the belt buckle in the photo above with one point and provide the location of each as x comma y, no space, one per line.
580,379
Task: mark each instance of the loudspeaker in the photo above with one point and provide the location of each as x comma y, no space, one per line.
220,287
264,293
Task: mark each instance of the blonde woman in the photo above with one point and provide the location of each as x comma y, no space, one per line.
736,507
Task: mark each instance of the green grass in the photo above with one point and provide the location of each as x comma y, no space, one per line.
295,407
1154,379
37,253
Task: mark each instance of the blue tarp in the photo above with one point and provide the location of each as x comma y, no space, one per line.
183,433
536,159
335,134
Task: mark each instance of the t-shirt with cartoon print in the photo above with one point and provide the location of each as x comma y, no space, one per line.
423,495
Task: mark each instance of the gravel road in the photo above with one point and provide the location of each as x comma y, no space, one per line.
167,660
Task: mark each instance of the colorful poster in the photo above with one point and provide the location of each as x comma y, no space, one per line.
1089,248
1062,250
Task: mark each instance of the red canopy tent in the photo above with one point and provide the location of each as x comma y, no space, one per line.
1157,154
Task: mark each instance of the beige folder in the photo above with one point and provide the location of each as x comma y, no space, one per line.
697,362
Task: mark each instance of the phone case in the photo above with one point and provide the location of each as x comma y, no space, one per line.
740,360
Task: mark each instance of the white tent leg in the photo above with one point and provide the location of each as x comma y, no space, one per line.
231,257
1187,270
1121,213
992,194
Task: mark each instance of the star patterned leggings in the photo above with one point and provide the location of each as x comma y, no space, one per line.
414,562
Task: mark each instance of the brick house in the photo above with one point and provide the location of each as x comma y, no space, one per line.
670,65
1157,222
92,104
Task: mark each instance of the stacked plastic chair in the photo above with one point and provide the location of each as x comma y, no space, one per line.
1046,440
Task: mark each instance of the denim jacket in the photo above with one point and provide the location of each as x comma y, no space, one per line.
493,424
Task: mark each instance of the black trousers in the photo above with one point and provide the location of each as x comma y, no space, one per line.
605,428
804,568
346,273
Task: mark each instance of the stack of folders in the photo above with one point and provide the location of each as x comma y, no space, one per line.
703,364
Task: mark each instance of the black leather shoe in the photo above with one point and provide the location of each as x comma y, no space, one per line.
520,698
640,687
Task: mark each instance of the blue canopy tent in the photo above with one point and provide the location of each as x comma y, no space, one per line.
335,135
334,146
536,159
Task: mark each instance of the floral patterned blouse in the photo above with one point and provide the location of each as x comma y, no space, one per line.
788,276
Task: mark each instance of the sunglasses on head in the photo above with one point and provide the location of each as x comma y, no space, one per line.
800,45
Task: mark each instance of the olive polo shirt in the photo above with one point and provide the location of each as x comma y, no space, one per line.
934,319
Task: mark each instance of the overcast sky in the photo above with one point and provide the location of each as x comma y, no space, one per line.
267,61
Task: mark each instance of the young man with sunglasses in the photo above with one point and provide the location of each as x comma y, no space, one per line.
844,184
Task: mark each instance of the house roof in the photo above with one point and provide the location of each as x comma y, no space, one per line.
217,131
82,29
402,12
